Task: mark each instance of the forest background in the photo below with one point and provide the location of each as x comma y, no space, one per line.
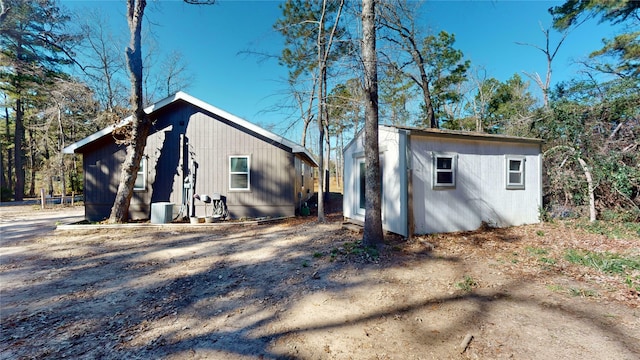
63,79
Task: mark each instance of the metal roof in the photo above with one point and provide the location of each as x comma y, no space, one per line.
464,134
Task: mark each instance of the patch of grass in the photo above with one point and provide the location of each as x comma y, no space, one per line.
554,287
372,252
582,292
539,253
318,254
607,262
547,260
633,282
540,233
536,251
334,254
467,284
305,264
616,230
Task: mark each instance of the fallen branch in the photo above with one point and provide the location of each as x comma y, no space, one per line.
465,343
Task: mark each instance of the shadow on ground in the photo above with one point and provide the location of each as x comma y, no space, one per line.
296,290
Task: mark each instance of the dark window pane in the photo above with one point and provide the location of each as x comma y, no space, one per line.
514,165
444,177
444,163
239,181
515,178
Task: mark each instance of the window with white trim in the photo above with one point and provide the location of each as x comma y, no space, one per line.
514,172
141,177
444,170
239,172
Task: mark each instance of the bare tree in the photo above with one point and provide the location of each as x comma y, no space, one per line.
104,66
372,234
550,54
174,73
399,18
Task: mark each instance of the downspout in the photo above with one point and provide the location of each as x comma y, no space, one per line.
183,202
409,194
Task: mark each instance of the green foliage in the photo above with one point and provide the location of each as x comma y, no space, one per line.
617,230
633,282
606,262
395,94
467,284
299,26
446,69
625,48
595,122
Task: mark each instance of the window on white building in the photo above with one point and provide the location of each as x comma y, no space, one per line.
444,170
514,172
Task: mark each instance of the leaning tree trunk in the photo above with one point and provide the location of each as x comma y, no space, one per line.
372,234
140,124
592,201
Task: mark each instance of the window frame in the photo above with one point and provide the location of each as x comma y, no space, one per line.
454,169
141,174
509,185
247,173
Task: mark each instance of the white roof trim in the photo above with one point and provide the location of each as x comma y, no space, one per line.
295,148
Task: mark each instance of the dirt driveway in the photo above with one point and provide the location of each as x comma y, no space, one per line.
302,290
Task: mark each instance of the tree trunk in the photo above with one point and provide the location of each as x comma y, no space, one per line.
32,164
61,144
18,153
592,200
328,166
9,182
321,165
372,234
428,104
140,123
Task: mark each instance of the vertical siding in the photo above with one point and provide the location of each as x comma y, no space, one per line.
394,184
272,173
102,175
480,193
209,141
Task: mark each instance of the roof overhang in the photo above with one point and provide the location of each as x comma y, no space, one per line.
471,135
296,149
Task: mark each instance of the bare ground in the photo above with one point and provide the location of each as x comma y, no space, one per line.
302,290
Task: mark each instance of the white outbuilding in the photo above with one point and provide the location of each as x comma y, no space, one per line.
436,181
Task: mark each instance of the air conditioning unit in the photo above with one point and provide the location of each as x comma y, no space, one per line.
161,213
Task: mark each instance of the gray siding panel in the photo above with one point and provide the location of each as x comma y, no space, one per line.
181,133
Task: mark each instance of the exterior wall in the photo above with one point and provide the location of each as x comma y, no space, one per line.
480,193
102,165
393,162
184,133
303,182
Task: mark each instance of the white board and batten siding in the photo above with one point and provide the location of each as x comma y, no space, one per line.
479,191
394,180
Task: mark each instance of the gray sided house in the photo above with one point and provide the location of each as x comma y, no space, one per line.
437,181
195,148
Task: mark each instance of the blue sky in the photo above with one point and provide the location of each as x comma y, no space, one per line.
212,39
